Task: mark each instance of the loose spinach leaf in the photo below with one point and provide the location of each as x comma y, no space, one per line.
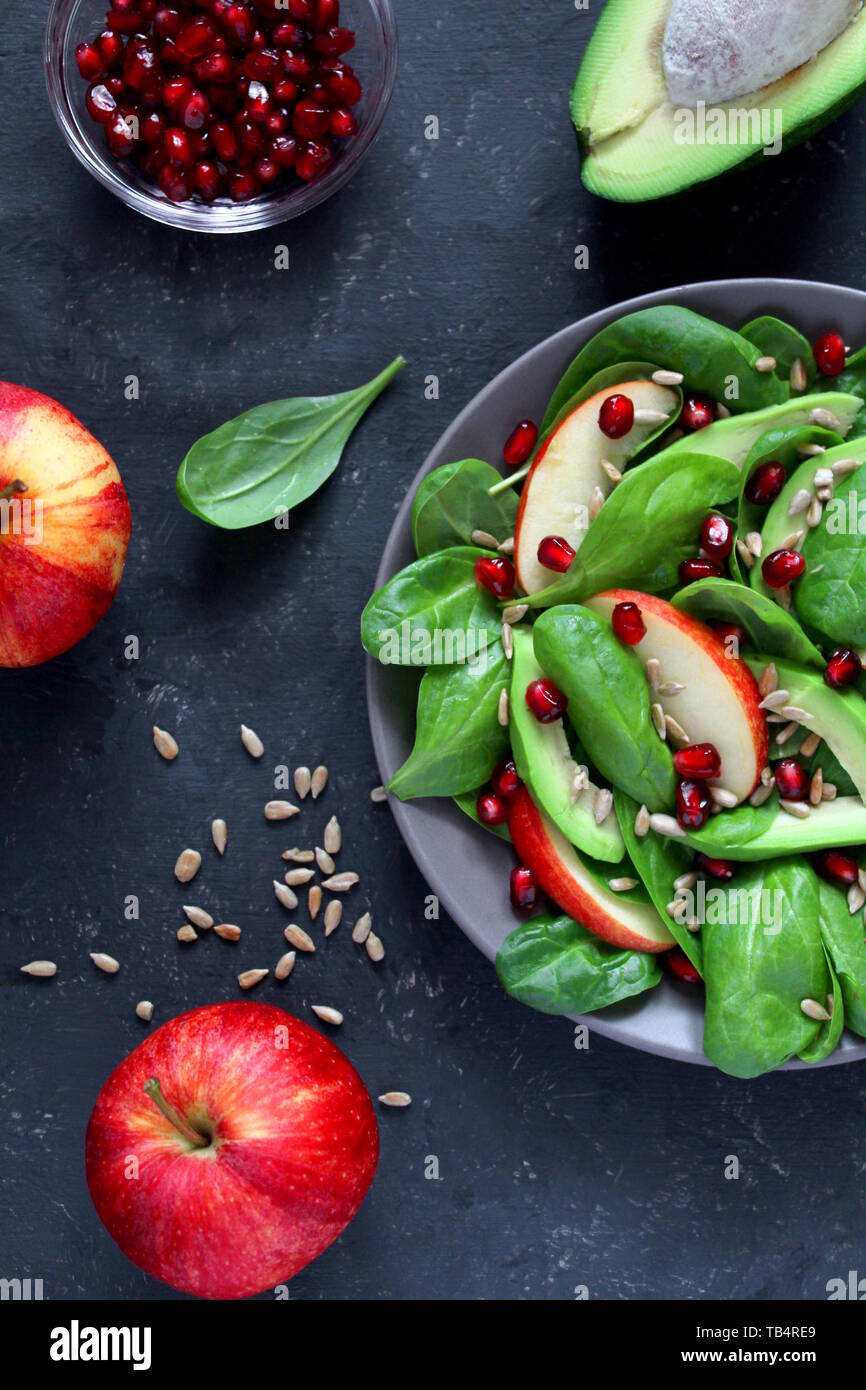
707,354
767,626
833,601
558,967
774,338
432,613
645,528
827,1038
453,501
609,703
842,933
271,458
659,862
458,739
724,833
782,445
467,803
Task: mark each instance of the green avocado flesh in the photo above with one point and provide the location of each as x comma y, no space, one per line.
732,439
638,146
829,826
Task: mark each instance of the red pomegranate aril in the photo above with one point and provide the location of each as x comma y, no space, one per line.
167,22
277,122
258,106
697,568
152,129
693,804
554,553
171,57
129,23
520,443
176,92
782,568
729,633
722,869
523,888
327,13
843,668
628,624
717,536
698,760
766,483
344,85
224,141
118,136
91,63
545,700
285,92
342,123
829,354
284,149
287,35
243,185
506,780
332,42
838,867
616,417
112,50
496,574
792,780
310,121
251,140
208,180
267,171
314,159
140,67
263,66
678,964
175,183
178,149
491,809
238,23
698,412
196,36
296,66
304,11
215,67
196,111
200,144
116,86
100,104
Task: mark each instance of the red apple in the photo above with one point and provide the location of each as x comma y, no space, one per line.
230,1149
64,528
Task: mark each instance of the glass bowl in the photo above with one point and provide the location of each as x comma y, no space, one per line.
374,57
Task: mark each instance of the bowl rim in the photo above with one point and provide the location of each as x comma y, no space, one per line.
217,219
620,1023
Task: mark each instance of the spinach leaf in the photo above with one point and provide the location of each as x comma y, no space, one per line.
605,379
458,739
645,528
269,459
763,955
609,703
432,613
774,338
659,862
453,501
707,354
558,967
842,933
782,445
833,771
767,626
833,601
467,803
827,1038
725,833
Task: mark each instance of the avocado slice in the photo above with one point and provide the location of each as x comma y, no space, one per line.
733,438
544,761
637,144
829,826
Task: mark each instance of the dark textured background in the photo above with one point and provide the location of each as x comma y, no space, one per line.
557,1168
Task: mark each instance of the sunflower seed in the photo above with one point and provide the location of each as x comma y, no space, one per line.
219,834
798,809
801,716
824,494
829,792
612,472
810,745
814,514
507,641
375,949
502,712
320,781
165,745
40,968
228,931
514,613
296,877
284,895
333,836
378,794
327,1014
596,502
650,417
300,939
252,742
812,1009
396,1099
811,451
642,822
106,963
685,881
675,730
507,547
760,795
792,541
842,467
248,978
776,698
797,377
362,929
766,776
603,805
675,907
783,598
324,861
816,787
658,718
755,544
280,810
579,783
621,885
144,1010
340,883
298,856
187,933
861,878
722,797
654,672
769,681
484,539
284,966
856,898
666,825
822,477
314,901
303,780
722,412
800,501
787,732
745,554
333,916
826,419
187,866
670,689
766,364
665,378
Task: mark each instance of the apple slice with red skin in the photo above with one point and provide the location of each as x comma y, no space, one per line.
721,701
567,469
558,869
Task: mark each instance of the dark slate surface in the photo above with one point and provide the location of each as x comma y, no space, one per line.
557,1168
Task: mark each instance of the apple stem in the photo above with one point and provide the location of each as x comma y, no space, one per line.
15,486
153,1089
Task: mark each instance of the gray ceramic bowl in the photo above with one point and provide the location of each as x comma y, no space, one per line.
465,866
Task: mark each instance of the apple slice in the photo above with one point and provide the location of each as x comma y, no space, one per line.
720,702
568,468
559,870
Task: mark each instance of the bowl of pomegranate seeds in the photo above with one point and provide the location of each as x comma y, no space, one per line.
221,115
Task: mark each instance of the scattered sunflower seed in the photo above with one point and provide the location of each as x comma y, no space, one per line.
792,541
41,968
843,467
801,716
502,712
507,547
642,822
767,776
766,364
303,780
284,966
755,544
375,949
665,378
514,613
484,539
814,514
666,825
249,978
280,810
284,895
579,783
187,932
800,501
296,877
106,963
603,805
327,1014
219,833
320,781
378,794
685,881
799,380
827,420
324,861
783,598
300,939
361,929
507,641
787,732
298,856
861,878
799,809
722,797
340,883
333,836
612,472
165,744
811,451
812,1009
621,885
654,672
333,916
228,931
775,698
596,501
675,730
816,787
760,795
830,791
823,477
745,554
398,1100
658,718
650,417
144,1010
856,898
187,866
810,745
671,688
769,681
314,901
252,742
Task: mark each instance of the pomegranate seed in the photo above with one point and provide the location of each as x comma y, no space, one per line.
91,63
327,13
224,141
116,86
267,170
310,120
176,93
200,144
843,668
717,536
491,809
167,22
242,186
554,553
208,180
766,483
171,57
304,11
118,136
782,567
342,123
693,804
545,700
196,37
698,760
288,35
792,780
716,868
693,570
286,91
332,42
215,67
238,23
100,104
497,574
628,624
314,159
729,632
678,964
196,111
616,417
124,23
111,47
296,66
505,780
140,67
262,66
277,122
838,867
152,129
829,354
284,150
174,183
252,142
178,149
523,888
344,85
698,412
521,441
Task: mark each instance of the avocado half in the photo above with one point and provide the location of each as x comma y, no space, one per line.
635,141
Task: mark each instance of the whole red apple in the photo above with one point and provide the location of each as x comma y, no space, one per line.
230,1149
64,528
